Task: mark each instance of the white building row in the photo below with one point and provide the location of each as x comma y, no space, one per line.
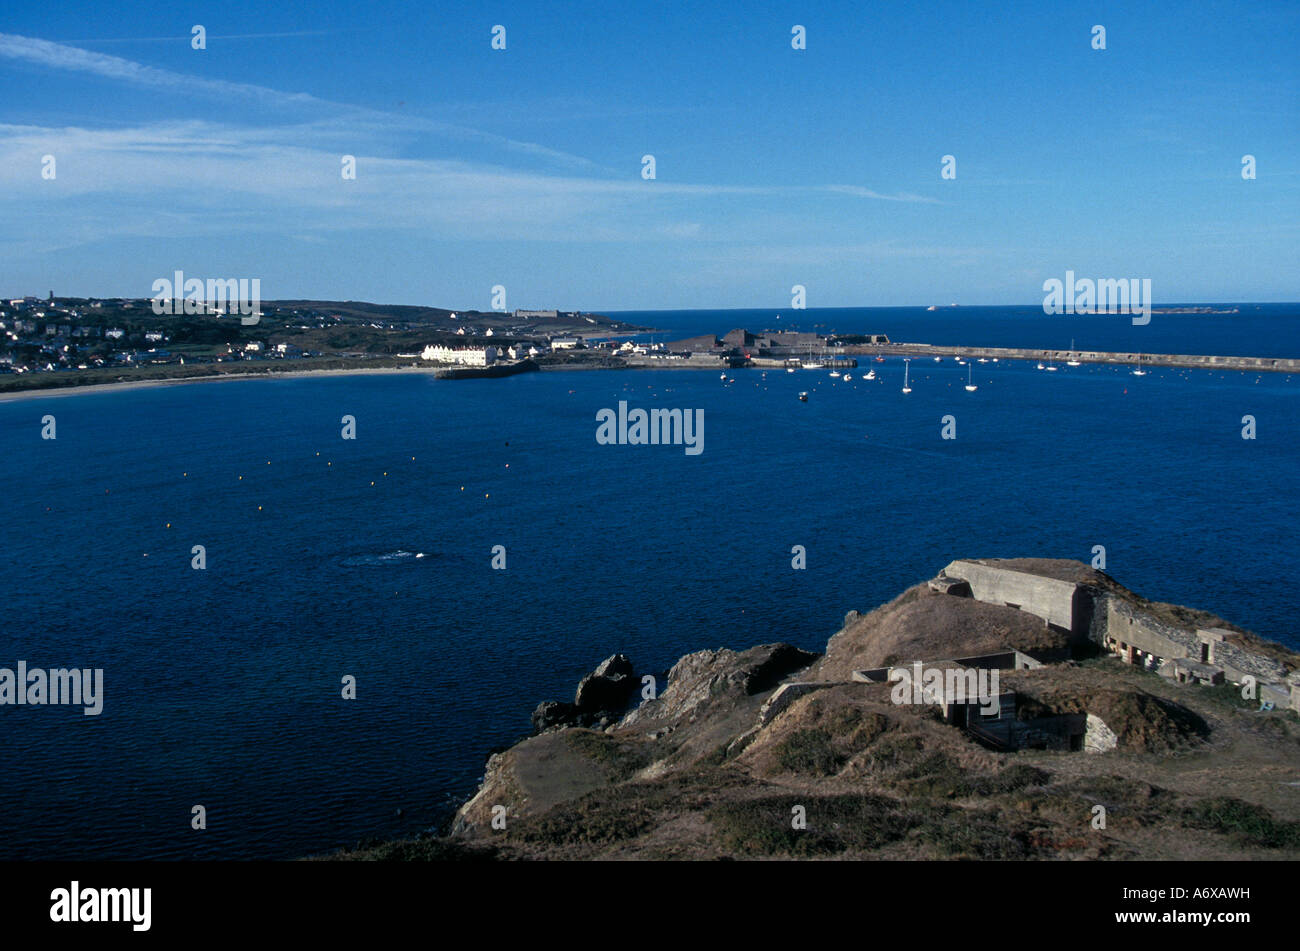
464,356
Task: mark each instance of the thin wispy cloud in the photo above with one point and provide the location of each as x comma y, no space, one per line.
43,53
215,176
26,49
858,191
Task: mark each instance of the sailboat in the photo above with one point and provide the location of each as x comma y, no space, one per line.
1072,362
970,383
906,388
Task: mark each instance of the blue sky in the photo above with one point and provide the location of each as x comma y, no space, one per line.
775,167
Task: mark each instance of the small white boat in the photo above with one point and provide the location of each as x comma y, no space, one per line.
970,383
982,360
1072,362
937,359
848,377
1041,367
906,388
789,369
835,373
803,396
871,375
1139,372
1051,368
724,376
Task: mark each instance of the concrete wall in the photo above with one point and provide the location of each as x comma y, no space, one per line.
1237,664
1000,660
1052,600
1139,631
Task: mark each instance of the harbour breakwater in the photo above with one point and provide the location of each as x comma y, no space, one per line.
1192,361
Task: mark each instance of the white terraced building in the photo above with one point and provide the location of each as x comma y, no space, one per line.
465,356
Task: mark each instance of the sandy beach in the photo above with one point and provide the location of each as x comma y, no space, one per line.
122,387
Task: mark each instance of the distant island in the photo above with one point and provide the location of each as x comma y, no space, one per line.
1110,727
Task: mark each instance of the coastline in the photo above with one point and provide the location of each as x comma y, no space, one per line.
125,385
912,350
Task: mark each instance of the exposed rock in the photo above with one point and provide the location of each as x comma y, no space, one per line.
699,678
608,688
616,665
601,698
552,713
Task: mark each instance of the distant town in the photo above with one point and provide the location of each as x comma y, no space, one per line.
57,341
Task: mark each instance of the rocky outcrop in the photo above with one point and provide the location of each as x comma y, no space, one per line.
608,688
706,676
601,698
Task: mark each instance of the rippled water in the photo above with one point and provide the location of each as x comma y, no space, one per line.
222,686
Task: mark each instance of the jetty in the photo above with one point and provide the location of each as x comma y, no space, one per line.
1190,361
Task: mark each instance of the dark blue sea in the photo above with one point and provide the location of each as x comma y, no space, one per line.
372,557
